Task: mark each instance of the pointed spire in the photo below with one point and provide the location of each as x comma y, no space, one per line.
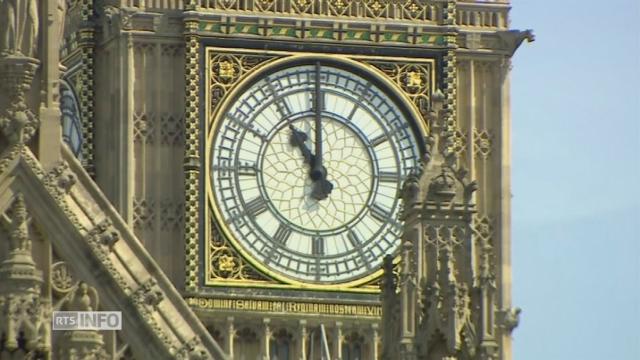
18,270
22,312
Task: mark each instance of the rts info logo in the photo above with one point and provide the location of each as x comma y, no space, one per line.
87,320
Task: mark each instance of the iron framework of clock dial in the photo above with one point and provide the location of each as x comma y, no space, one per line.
306,165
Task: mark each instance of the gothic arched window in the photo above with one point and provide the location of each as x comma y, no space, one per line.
71,122
280,345
352,347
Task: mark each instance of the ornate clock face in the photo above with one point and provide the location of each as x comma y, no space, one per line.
306,165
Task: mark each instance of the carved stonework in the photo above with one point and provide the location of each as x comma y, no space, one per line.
191,350
510,319
171,215
144,125
147,298
104,235
447,311
62,278
429,11
458,142
18,123
143,213
171,130
79,233
443,236
62,177
442,187
172,49
18,269
483,143
483,226
81,344
148,295
24,316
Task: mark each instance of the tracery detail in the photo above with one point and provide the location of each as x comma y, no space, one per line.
483,143
415,79
225,262
227,70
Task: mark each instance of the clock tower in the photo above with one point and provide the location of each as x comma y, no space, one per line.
317,178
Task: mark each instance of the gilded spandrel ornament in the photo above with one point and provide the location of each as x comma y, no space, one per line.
412,7
226,70
339,7
226,263
377,6
414,79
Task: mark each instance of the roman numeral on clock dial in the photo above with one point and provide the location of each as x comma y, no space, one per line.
388,176
317,245
379,213
354,239
256,206
282,234
247,169
379,140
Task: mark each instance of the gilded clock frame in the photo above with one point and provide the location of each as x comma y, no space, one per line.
410,80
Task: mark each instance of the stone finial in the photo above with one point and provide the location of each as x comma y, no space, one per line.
23,316
81,344
18,272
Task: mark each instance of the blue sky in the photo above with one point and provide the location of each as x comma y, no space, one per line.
576,180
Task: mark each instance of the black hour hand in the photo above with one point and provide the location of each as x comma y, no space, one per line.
321,189
298,139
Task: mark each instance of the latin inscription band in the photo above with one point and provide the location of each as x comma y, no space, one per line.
286,307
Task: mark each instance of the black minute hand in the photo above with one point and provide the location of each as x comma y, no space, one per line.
321,187
318,171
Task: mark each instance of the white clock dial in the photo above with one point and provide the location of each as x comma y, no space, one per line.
313,206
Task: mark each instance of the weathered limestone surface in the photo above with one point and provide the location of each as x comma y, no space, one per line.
62,244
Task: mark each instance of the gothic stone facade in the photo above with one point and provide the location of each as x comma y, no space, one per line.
111,218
